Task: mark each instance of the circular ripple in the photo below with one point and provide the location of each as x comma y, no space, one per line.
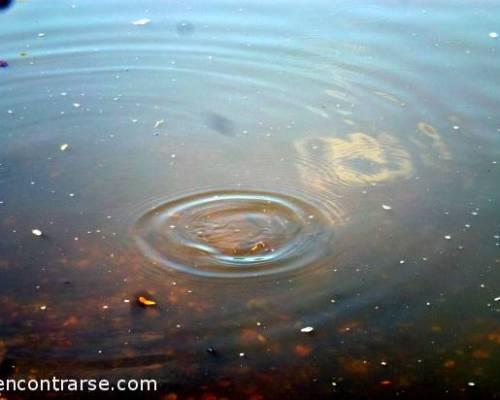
235,234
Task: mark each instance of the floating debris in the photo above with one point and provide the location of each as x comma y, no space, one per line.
493,35
3,64
37,232
64,147
259,246
142,21
143,301
159,123
307,329
386,207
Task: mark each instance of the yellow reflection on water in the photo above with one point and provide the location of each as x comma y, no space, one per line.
391,98
437,142
359,159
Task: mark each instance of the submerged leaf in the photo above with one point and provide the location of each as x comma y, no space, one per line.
145,301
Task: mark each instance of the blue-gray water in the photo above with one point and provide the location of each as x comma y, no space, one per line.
255,168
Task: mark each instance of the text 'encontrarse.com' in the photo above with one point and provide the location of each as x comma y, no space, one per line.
77,385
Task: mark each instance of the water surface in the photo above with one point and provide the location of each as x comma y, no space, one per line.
255,168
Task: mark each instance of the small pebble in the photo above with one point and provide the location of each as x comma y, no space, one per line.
37,232
307,329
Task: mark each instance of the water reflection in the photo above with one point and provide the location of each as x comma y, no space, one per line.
236,234
359,159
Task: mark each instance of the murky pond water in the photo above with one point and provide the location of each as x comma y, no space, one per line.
253,168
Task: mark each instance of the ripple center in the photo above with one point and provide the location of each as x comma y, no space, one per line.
234,233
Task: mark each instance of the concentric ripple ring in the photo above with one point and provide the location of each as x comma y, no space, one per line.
235,234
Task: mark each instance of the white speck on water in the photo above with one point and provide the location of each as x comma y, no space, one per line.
76,105
307,329
471,384
64,147
447,237
159,123
456,127
41,34
493,35
71,195
43,308
242,354
402,261
142,21
496,298
428,304
386,207
37,232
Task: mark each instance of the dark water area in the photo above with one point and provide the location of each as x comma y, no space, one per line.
307,191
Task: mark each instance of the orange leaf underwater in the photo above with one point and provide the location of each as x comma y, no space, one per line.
146,302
